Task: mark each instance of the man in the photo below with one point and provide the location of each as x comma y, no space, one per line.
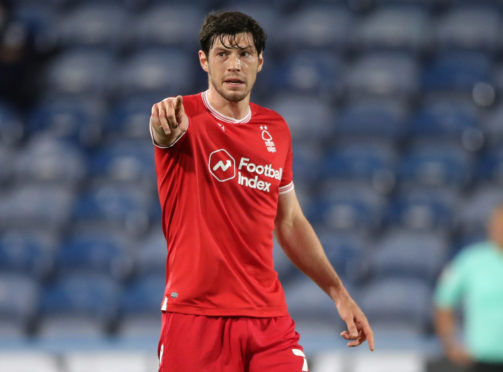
476,276
224,170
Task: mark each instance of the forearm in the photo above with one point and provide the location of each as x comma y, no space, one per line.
302,246
445,327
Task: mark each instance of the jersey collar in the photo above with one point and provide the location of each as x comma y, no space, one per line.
222,117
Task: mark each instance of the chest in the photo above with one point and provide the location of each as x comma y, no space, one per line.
250,155
486,284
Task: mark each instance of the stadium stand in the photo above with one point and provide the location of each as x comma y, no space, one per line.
396,118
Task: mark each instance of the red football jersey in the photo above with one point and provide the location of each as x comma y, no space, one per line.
218,187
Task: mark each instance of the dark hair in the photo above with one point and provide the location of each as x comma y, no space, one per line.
230,23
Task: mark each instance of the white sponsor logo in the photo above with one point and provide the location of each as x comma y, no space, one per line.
263,170
267,137
222,165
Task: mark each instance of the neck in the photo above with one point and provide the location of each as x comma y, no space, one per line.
235,110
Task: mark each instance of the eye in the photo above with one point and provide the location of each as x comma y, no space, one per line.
245,54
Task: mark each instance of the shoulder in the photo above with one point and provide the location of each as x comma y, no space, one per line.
473,254
268,115
193,104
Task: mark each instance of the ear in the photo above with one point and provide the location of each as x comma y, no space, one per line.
203,60
260,61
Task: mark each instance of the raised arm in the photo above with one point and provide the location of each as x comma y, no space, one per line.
168,121
301,244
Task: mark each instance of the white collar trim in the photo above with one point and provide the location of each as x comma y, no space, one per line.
221,117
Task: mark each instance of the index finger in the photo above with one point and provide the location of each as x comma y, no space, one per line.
370,336
178,103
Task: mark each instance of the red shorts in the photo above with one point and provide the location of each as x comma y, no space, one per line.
196,343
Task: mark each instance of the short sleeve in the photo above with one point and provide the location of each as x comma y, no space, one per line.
286,184
452,283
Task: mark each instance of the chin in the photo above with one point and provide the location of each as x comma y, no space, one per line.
234,96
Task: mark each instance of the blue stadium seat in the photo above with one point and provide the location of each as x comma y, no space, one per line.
309,72
18,300
163,72
78,306
308,117
139,308
475,208
345,252
129,118
99,252
397,303
364,161
456,72
405,254
394,28
168,25
490,167
7,157
492,127
322,27
150,253
372,118
268,17
384,74
11,125
115,207
449,121
423,209
37,20
96,24
472,27
307,158
49,160
310,306
436,165
143,296
125,161
27,252
75,120
349,206
43,206
80,72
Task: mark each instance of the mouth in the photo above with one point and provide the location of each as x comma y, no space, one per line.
234,82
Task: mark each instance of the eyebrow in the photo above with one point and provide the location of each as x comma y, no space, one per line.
224,48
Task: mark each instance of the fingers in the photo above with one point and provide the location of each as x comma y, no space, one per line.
167,114
179,109
158,119
179,103
369,334
353,331
364,333
170,112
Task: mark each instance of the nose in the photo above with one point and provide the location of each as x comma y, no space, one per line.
234,63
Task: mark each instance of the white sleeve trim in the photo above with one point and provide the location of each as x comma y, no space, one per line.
173,144
287,188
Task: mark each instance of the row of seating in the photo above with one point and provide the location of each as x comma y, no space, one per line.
88,123
410,26
398,75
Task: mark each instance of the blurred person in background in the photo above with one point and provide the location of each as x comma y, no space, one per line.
224,171
20,59
475,278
